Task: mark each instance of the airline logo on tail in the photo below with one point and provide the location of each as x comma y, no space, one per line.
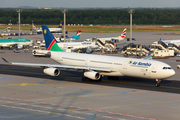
77,36
78,32
123,35
51,43
60,25
33,26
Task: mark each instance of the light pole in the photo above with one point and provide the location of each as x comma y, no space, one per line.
10,23
131,11
19,10
64,11
32,25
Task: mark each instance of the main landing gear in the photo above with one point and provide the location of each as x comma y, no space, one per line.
157,82
113,77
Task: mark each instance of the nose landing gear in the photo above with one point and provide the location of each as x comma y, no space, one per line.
157,82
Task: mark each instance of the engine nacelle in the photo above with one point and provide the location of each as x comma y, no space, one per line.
52,71
92,75
19,46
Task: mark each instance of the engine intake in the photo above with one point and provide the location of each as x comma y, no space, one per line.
52,71
92,75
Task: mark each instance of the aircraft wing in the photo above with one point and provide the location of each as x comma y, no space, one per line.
63,66
91,117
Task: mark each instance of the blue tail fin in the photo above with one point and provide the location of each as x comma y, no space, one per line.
160,39
51,43
60,25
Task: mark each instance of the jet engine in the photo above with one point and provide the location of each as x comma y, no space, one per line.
52,71
92,75
114,40
19,46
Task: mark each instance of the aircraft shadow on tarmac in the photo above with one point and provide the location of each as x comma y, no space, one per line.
74,76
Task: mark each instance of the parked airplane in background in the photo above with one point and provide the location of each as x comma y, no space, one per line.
52,30
96,66
18,42
75,37
77,45
112,39
176,42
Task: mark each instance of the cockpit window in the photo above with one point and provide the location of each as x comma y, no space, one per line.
167,68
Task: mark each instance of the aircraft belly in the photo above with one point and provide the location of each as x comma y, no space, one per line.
117,73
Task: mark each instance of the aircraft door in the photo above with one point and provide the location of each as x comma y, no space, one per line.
153,70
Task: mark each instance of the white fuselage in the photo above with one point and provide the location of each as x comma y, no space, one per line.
120,66
112,39
77,45
13,43
51,30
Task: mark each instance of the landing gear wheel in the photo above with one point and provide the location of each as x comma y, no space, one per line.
157,85
157,82
100,79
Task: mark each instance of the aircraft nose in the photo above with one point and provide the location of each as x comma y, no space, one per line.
171,73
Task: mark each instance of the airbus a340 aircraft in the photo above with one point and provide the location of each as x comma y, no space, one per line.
96,66
112,39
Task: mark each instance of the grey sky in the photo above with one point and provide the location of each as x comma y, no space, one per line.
90,3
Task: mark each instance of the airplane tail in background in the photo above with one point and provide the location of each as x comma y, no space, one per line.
160,39
77,36
33,26
78,32
51,43
60,25
123,34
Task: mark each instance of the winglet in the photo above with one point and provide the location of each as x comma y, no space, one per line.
149,54
149,57
6,60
